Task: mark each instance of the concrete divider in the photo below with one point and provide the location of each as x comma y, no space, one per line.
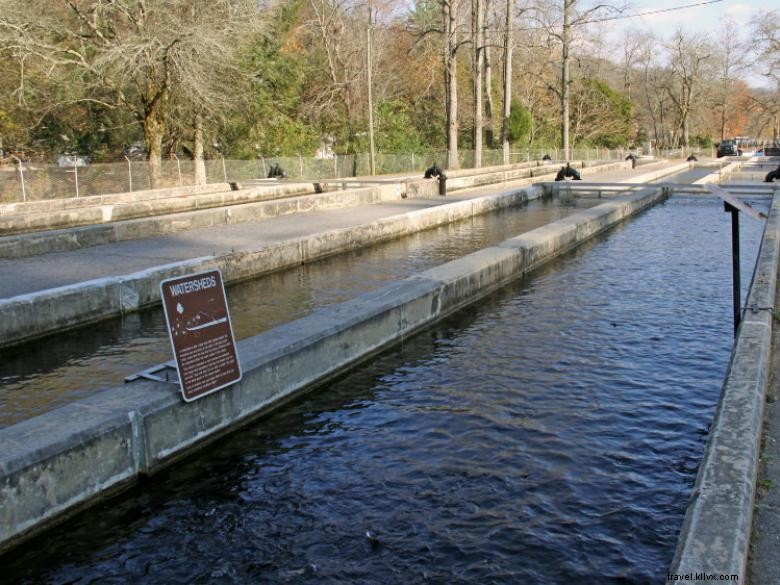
720,174
76,216
26,317
109,225
59,462
715,536
16,218
32,244
601,190
48,205
489,175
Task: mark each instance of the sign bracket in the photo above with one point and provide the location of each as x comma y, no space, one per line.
733,205
151,374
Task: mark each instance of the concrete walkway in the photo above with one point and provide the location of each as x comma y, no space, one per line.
33,274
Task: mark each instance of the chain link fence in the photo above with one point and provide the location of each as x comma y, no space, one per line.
30,181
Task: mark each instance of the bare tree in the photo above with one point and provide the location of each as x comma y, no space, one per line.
561,18
632,45
450,17
689,56
766,34
478,33
140,56
654,80
488,73
507,80
342,46
729,61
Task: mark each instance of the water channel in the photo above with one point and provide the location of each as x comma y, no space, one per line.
549,434
44,374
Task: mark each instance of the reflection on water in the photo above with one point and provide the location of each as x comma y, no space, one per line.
42,375
549,435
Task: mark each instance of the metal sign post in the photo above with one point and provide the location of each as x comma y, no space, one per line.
732,204
201,334
735,267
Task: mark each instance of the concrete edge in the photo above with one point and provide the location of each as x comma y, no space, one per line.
71,457
721,173
34,243
48,220
655,175
26,317
715,535
216,210
39,205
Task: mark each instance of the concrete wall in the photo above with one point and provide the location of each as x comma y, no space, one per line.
26,317
74,216
489,175
32,244
113,223
716,532
721,174
57,463
74,202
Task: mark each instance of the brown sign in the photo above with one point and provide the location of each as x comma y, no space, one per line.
201,335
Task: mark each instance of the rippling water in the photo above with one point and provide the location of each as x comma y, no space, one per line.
42,375
548,435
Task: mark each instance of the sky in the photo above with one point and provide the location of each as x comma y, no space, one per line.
696,19
703,18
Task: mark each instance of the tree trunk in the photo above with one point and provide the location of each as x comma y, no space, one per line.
450,13
155,106
489,139
197,151
369,66
565,42
507,82
154,130
478,72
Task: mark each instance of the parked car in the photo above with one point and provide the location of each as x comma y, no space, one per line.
729,148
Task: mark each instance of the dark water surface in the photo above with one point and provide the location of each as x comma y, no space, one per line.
548,435
42,375
688,176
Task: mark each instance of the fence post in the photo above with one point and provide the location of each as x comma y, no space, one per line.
76,176
300,161
265,171
21,177
129,174
178,167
